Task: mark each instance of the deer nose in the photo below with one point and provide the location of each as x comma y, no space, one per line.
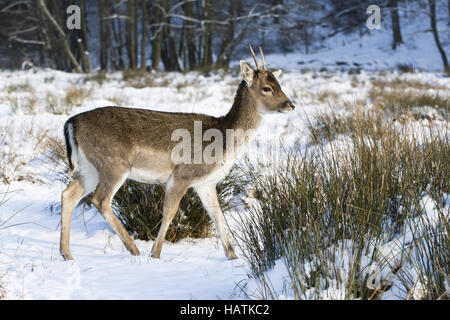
290,104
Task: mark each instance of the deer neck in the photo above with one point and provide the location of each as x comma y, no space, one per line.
243,113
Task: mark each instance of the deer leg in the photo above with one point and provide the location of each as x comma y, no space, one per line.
69,200
102,200
174,193
208,196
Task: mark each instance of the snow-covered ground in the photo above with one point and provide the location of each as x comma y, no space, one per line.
32,268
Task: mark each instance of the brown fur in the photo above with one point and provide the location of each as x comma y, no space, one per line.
119,141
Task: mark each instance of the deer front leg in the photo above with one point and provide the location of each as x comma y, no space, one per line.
208,196
174,192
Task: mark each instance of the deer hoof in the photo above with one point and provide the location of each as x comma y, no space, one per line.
230,254
66,256
134,251
155,256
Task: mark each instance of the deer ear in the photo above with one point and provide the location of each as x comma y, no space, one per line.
277,73
247,71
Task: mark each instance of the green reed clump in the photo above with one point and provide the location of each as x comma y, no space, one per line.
327,212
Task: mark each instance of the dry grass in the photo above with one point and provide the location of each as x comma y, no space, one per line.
328,126
399,83
99,77
400,96
76,95
2,290
25,103
406,68
54,152
21,87
56,105
141,79
327,96
13,161
341,200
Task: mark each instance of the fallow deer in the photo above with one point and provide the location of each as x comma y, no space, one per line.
108,145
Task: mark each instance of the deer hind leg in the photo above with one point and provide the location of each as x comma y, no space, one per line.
208,196
69,200
106,189
174,193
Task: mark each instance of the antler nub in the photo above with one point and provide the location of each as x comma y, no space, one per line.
254,57
262,59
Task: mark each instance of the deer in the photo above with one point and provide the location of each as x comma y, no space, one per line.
108,145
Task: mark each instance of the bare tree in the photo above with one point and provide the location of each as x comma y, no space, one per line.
156,28
232,35
432,7
189,33
130,33
395,20
144,35
101,16
82,41
207,34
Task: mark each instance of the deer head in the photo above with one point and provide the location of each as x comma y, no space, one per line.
264,87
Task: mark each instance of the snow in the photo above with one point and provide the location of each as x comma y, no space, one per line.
102,269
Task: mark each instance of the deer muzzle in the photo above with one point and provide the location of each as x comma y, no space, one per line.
286,107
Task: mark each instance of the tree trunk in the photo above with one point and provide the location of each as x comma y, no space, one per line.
156,37
130,29
83,44
397,35
108,38
207,44
144,35
448,8
223,57
231,40
135,31
119,38
190,36
101,15
432,5
170,57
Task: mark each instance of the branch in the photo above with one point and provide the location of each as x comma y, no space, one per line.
5,9
252,14
15,33
37,42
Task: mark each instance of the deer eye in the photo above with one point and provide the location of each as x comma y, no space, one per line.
267,89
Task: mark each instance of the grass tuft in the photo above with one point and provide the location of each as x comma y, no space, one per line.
332,213
401,97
